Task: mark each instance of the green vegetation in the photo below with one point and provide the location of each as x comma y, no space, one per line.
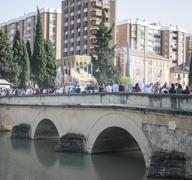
103,54
17,55
6,61
39,57
20,67
51,70
25,66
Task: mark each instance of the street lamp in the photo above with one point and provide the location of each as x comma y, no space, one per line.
144,58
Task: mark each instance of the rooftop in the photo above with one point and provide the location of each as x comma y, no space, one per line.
155,25
34,13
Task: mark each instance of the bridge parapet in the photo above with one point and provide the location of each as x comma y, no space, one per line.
152,101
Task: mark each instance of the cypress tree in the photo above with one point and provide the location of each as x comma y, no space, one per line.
17,55
39,58
6,63
50,64
25,73
103,54
28,46
190,72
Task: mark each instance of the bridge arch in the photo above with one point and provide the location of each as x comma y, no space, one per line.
122,124
51,122
46,129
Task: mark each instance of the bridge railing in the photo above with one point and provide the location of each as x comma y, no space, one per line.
152,101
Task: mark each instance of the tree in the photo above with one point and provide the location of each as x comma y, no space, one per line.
50,64
103,55
190,72
39,57
17,55
28,46
25,73
118,69
6,63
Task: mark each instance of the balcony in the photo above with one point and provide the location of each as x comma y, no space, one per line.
93,31
96,22
96,4
96,13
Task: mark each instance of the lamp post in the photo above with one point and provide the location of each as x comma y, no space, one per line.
144,58
128,61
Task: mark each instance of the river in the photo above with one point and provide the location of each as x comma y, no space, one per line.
37,160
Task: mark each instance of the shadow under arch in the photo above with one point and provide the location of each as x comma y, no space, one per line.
114,139
116,132
46,129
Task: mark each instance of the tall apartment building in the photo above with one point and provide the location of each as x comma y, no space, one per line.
80,19
166,41
174,44
188,47
51,26
138,34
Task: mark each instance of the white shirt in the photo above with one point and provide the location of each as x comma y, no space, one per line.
108,89
115,88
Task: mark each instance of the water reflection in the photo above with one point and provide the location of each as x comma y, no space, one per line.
72,160
21,145
45,152
37,160
119,166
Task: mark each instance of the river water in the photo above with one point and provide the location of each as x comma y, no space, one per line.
37,160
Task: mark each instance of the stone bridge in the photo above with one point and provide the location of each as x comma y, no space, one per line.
159,125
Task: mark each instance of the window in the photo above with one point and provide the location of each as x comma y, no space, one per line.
85,4
65,3
78,16
71,26
72,18
79,7
85,14
79,25
85,32
85,23
78,52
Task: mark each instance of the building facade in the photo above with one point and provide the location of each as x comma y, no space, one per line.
174,45
51,26
80,19
156,66
188,47
179,74
169,42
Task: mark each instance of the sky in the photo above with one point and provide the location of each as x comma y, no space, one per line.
174,12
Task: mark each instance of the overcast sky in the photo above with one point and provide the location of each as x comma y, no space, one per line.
175,12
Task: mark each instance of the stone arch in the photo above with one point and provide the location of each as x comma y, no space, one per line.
46,116
46,129
125,123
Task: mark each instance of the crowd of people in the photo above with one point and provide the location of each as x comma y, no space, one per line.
150,88
99,88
